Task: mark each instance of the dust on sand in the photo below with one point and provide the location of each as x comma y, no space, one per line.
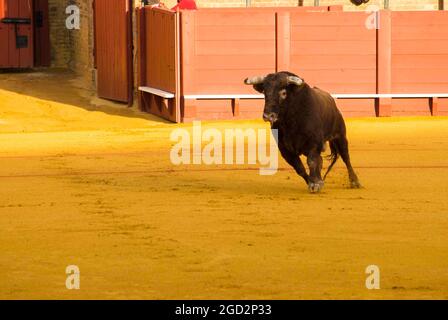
92,185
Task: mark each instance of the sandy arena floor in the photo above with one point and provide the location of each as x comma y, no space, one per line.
90,183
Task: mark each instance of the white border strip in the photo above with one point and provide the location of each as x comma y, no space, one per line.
157,92
390,95
223,96
337,96
169,95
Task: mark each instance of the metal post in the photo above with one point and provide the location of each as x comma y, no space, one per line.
441,5
248,3
386,4
316,3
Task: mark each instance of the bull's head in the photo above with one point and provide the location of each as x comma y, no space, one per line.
276,88
358,2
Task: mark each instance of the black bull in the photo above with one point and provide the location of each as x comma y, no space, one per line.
306,118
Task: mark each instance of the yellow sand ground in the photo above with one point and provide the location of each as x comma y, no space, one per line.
90,183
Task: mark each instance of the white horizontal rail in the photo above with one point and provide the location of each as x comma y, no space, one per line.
224,96
157,92
336,96
169,95
389,95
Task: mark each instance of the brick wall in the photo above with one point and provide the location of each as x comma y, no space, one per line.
72,48
81,43
59,35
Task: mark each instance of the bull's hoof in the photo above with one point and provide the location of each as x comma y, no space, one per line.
315,187
355,184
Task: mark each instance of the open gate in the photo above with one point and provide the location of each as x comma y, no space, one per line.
113,49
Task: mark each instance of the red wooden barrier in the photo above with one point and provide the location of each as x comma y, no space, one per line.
158,61
336,52
331,49
113,52
419,60
16,39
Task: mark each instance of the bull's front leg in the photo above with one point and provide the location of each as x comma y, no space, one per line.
314,161
294,161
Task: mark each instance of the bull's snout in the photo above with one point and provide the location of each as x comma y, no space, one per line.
271,117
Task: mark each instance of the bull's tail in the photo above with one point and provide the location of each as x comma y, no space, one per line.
334,156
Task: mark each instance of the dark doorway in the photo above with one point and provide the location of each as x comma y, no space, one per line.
42,56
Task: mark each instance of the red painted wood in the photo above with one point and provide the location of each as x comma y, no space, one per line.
160,49
141,54
113,49
221,48
419,52
2,9
334,51
356,107
434,106
283,41
442,107
384,58
42,57
11,56
4,37
331,49
158,61
410,107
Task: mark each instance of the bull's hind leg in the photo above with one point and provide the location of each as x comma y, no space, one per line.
314,160
342,145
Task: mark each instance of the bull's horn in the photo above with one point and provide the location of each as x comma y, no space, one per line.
254,80
295,80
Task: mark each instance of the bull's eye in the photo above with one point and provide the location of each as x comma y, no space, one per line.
282,94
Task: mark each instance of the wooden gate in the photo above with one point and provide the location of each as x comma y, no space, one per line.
16,33
113,49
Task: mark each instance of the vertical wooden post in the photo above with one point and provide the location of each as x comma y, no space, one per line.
141,55
384,62
187,47
441,5
177,46
283,41
433,105
236,107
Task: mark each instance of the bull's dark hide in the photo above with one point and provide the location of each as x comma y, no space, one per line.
306,118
